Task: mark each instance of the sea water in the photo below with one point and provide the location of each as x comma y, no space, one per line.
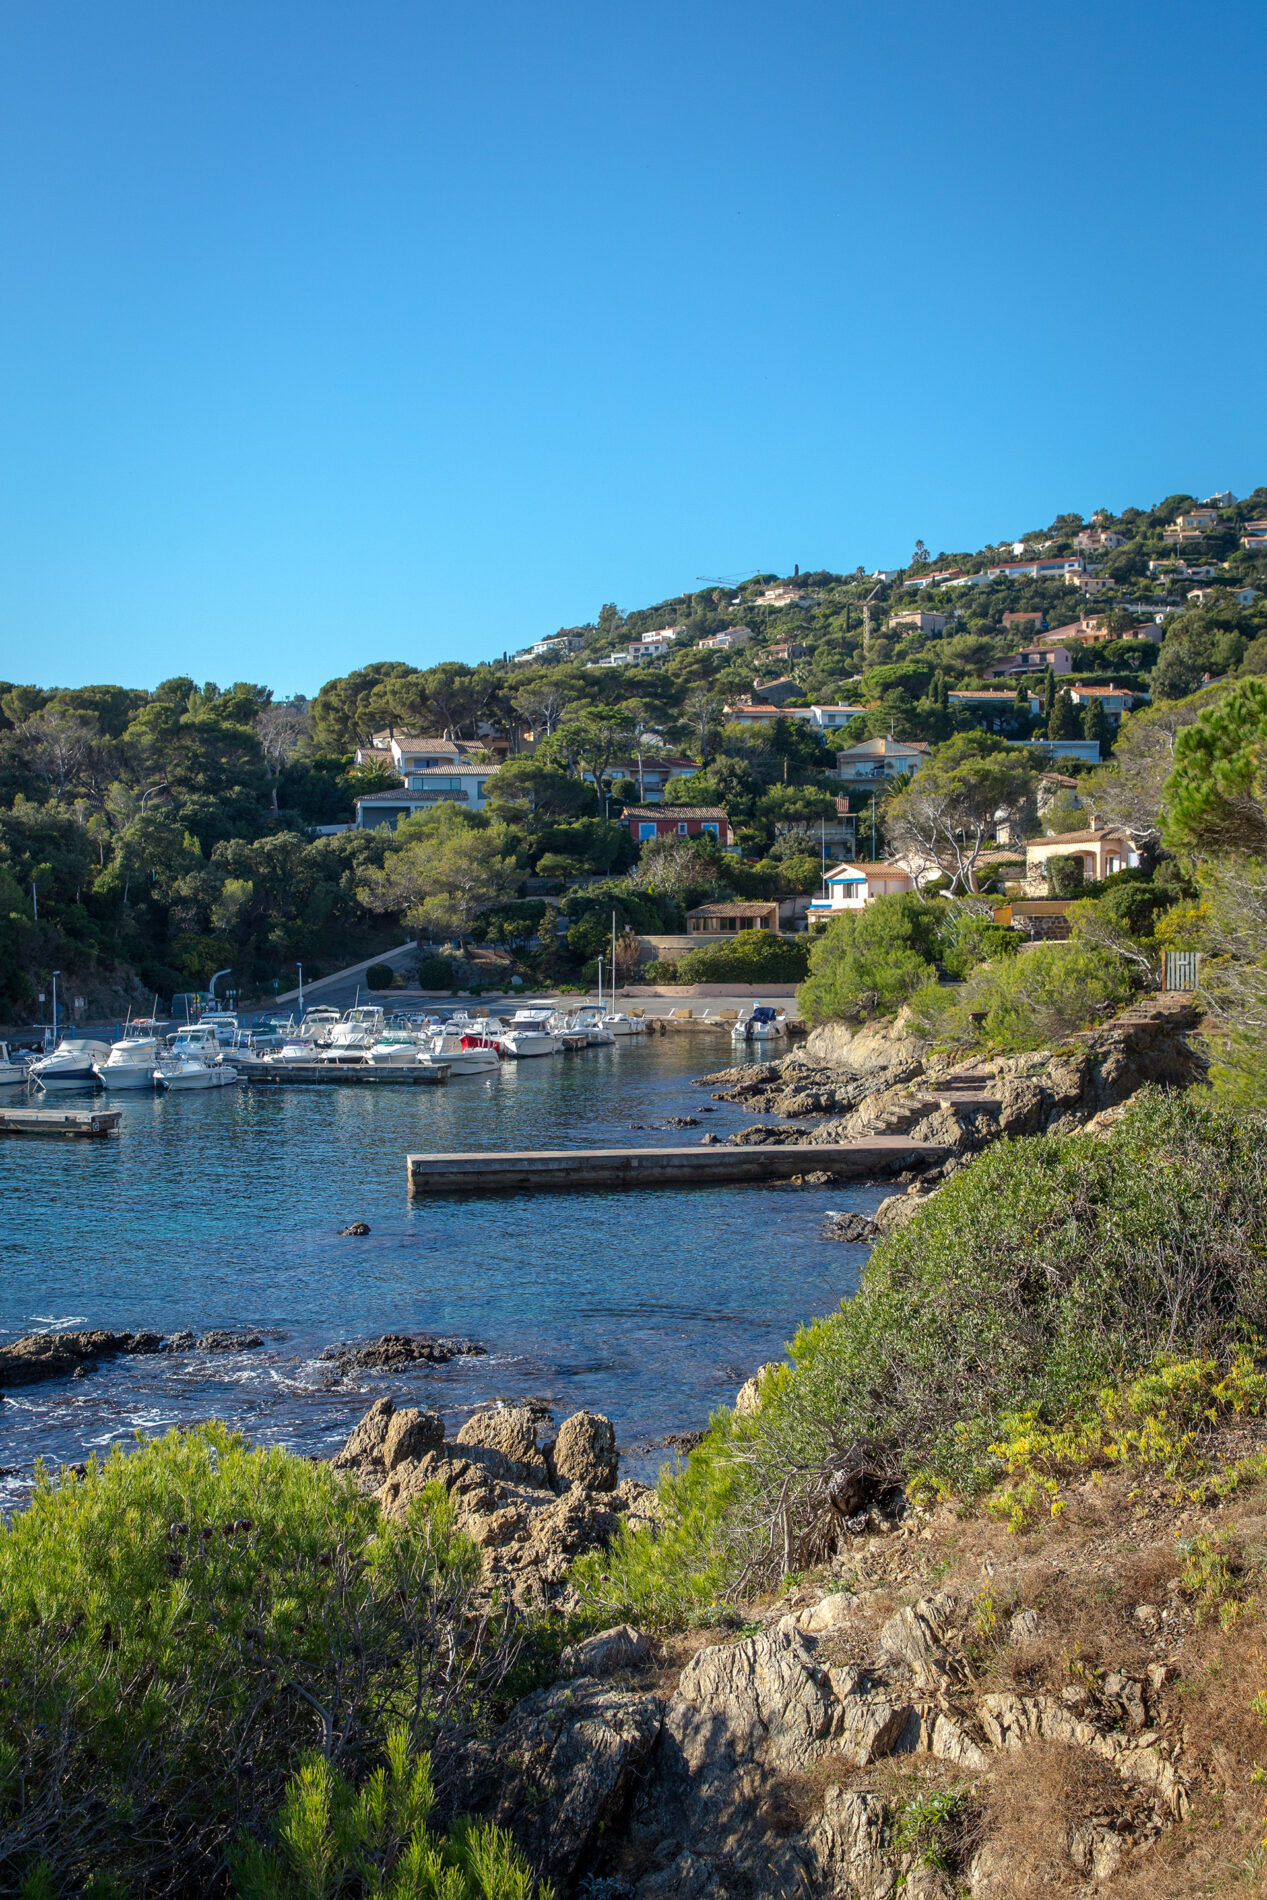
220,1210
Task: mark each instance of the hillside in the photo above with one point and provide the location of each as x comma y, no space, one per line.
150,838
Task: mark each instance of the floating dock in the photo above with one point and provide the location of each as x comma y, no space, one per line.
348,1074
559,1170
89,1124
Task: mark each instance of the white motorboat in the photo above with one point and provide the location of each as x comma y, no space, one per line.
313,1033
200,1040
589,1021
621,1025
71,1064
223,1021
191,1072
530,1032
397,1048
12,1072
130,1063
463,1052
762,1025
352,1039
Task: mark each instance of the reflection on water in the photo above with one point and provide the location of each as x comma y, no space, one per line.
220,1210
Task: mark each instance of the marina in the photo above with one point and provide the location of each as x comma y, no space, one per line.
223,1209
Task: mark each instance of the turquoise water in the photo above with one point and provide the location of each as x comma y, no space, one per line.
220,1210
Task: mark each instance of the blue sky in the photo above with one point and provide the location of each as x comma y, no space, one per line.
340,333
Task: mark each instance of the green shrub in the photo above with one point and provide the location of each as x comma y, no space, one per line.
1025,1002
751,956
379,976
659,970
435,973
178,1627
1065,877
867,962
976,940
1053,1266
333,1840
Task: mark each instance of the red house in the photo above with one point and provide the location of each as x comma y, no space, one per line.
676,821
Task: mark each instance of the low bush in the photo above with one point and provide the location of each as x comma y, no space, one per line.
752,956
1025,1002
182,1625
335,1840
1052,1267
379,976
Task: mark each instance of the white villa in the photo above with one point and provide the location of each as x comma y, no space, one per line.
854,886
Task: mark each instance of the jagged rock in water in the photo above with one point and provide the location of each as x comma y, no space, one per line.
58,1355
400,1349
220,1341
585,1452
848,1226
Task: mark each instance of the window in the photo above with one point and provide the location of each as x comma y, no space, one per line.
711,829
646,831
682,829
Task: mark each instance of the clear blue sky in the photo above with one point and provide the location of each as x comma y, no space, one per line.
331,333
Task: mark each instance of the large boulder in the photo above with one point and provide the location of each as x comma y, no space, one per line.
585,1452
363,1453
504,1440
410,1435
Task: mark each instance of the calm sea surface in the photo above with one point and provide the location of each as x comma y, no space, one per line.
220,1210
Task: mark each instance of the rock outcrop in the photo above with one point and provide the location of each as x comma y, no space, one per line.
530,1507
687,1793
399,1349
61,1355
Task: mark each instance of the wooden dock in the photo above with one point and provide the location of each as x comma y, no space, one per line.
345,1074
559,1170
85,1123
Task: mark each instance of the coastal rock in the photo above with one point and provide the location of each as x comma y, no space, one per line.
850,1842
848,1226
363,1452
585,1452
391,1350
357,1227
560,1772
58,1355
410,1435
509,1434
220,1341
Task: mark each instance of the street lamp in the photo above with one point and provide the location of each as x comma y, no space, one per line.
56,974
300,968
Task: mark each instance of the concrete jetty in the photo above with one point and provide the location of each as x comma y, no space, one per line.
558,1170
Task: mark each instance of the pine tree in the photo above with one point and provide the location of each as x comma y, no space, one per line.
1095,724
1063,722
1049,693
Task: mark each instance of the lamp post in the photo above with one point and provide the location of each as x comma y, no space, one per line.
300,968
56,974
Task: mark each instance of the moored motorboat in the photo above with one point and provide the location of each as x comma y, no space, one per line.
467,1053
191,1072
352,1038
763,1024
71,1064
589,1022
530,1032
130,1063
13,1073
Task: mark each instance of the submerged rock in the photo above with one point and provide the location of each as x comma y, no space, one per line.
229,1342
59,1355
